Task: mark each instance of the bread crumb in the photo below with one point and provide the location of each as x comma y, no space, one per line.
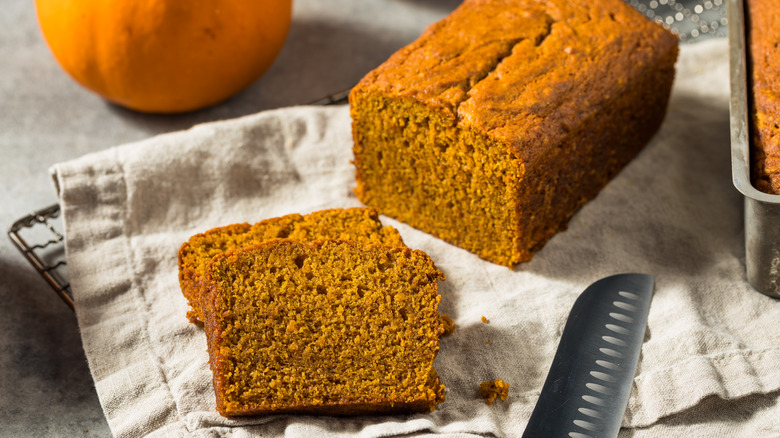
490,391
449,324
485,320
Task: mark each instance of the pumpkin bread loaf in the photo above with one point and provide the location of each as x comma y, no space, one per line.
504,118
764,36
325,327
358,224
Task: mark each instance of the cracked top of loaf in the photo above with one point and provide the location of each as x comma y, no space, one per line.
502,67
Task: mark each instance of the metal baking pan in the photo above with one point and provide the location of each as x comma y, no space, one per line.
762,210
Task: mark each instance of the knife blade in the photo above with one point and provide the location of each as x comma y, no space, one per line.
586,390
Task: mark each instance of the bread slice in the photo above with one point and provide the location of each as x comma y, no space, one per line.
358,224
323,327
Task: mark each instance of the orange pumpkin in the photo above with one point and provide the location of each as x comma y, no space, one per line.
165,56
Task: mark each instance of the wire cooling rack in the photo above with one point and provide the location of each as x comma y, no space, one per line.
37,237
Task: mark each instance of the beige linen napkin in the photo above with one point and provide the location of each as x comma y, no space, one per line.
710,362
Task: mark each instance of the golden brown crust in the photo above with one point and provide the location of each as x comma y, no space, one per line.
202,247
763,21
323,327
359,224
504,118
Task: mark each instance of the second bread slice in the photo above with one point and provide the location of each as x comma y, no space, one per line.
358,224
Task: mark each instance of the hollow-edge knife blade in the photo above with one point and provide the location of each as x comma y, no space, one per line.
586,391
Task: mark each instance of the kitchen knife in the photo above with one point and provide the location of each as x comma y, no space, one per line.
586,391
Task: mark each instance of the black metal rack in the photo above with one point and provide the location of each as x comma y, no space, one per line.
37,237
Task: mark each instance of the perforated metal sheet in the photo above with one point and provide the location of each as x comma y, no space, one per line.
690,19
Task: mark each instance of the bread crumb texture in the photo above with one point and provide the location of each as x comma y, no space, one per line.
763,34
361,225
494,127
448,323
490,391
326,326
